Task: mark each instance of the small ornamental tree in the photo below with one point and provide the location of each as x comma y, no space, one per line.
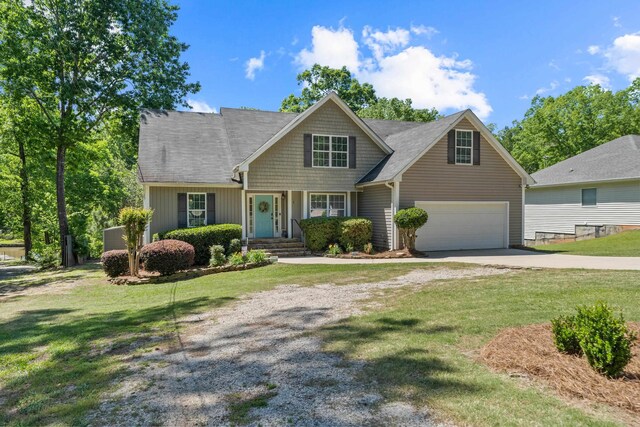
408,221
135,221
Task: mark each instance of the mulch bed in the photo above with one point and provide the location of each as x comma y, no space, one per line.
529,350
401,253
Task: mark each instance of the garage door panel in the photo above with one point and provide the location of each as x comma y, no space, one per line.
468,225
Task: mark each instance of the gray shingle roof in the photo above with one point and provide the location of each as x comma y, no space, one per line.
408,145
188,147
614,160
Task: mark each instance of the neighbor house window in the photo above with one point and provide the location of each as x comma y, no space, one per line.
330,151
196,209
326,205
464,146
589,197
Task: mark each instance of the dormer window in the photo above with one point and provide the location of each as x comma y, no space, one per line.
464,147
330,151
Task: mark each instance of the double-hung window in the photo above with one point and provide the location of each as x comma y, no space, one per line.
330,151
326,205
464,147
589,197
196,209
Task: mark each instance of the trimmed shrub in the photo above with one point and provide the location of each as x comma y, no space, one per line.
202,238
604,339
167,256
115,263
320,232
257,256
217,256
565,335
409,221
235,245
237,259
355,232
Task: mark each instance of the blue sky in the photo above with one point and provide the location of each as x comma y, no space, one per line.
491,57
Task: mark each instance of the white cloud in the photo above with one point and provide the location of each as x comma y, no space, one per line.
419,30
294,41
624,55
200,106
543,90
598,79
333,48
398,68
525,97
253,65
616,22
593,49
554,65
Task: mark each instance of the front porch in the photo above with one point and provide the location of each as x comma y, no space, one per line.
277,214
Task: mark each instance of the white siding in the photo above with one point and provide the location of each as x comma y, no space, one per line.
559,209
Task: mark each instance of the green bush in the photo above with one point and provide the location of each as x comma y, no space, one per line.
409,221
320,232
237,259
604,339
355,232
334,250
565,335
235,245
217,256
47,257
202,238
115,263
257,256
167,256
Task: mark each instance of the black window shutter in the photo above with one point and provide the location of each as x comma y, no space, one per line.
352,152
476,147
182,210
307,150
211,208
451,148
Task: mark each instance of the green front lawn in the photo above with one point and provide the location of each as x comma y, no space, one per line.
423,345
622,244
67,341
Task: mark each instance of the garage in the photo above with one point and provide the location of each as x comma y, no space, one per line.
464,225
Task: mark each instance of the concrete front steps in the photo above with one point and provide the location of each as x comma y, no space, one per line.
280,247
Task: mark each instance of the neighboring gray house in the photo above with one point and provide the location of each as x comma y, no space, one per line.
598,187
268,170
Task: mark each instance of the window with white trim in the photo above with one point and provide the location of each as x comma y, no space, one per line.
196,209
589,197
464,147
326,205
330,151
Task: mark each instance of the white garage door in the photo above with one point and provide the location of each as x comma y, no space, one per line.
464,225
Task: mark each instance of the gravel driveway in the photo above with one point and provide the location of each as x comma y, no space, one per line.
258,353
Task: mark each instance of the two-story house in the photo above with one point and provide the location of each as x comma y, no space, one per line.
268,170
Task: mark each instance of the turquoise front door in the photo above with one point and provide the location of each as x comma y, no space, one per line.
264,216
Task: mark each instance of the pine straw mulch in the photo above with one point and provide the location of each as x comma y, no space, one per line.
530,350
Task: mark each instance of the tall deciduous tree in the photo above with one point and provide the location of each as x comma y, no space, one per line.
397,109
83,61
556,128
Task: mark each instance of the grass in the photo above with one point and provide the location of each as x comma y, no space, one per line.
622,244
11,242
422,346
68,340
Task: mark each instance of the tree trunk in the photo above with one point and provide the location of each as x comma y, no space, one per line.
60,199
26,206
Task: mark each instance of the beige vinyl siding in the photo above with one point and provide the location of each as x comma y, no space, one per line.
164,202
282,165
431,178
559,209
375,203
354,203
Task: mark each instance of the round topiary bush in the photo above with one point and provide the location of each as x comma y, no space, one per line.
408,221
167,256
115,263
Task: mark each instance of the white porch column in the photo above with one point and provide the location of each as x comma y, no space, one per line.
289,213
396,206
244,214
305,205
146,203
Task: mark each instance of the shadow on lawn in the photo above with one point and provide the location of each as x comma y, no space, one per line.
411,371
57,364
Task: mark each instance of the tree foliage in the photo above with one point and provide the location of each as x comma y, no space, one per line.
409,220
86,63
134,221
556,128
319,80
